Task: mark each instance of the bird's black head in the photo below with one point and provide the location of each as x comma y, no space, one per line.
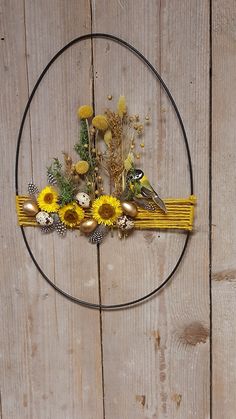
136,174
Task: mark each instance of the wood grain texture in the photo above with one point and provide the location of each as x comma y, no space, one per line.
158,352
62,361
15,359
223,208
52,359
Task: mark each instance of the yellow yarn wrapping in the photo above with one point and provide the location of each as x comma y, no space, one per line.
180,215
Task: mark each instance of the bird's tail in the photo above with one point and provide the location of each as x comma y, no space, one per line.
155,197
158,201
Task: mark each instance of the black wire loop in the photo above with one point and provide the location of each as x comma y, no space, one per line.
125,44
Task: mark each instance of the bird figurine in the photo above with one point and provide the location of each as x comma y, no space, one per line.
141,188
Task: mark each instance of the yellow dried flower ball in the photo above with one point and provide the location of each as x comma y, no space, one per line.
129,161
100,122
108,137
85,112
82,167
121,106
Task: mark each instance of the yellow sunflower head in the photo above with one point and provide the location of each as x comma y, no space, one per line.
106,210
48,199
121,106
71,214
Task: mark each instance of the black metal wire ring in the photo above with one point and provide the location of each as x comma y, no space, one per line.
158,77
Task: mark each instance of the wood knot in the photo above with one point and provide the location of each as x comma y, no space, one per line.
226,275
157,339
177,398
195,333
141,399
149,236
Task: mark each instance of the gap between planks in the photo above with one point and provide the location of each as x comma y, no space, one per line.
1,417
28,88
31,152
98,247
210,204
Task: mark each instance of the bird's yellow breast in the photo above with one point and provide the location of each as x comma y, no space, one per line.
143,180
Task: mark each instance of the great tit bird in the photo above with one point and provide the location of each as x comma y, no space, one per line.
142,188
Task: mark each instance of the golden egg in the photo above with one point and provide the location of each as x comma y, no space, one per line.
30,207
129,208
88,226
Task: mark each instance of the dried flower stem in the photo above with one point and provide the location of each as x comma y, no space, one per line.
115,155
67,163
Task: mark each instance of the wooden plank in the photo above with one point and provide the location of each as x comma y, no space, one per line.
156,356
14,359
54,369
56,102
223,208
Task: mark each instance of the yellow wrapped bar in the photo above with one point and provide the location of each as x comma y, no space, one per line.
180,215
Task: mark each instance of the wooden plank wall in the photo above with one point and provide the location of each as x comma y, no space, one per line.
223,208
172,357
47,369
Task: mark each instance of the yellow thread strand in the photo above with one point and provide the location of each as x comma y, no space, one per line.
180,215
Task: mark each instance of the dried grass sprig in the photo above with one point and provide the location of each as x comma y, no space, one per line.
114,159
67,163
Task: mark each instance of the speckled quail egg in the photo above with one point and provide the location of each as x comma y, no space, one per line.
83,199
44,219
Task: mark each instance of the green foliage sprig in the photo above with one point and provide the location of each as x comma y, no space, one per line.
65,184
82,146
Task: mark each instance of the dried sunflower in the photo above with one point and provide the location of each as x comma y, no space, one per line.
71,214
106,210
48,199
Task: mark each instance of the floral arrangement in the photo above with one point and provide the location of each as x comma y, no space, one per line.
107,158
